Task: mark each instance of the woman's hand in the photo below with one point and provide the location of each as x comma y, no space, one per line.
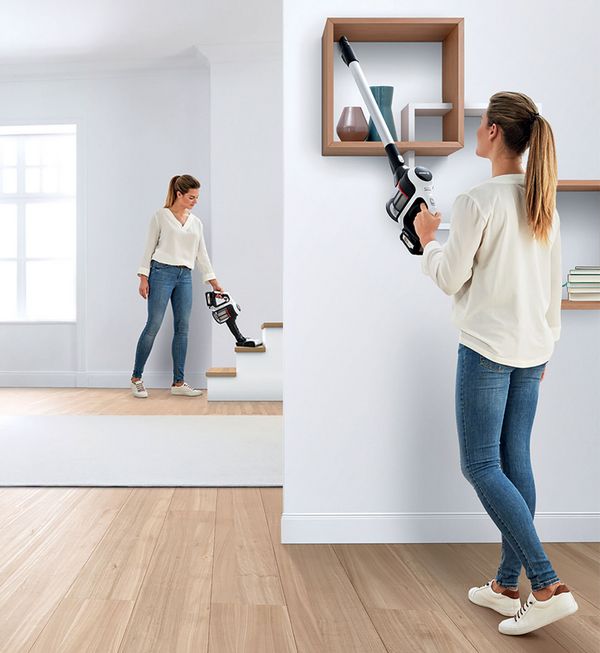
216,285
144,289
426,224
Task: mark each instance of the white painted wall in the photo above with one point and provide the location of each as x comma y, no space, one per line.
135,130
247,185
370,450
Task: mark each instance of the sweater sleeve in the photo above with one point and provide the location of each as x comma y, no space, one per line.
202,258
451,265
151,242
553,315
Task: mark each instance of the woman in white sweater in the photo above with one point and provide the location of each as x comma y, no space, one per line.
175,243
502,265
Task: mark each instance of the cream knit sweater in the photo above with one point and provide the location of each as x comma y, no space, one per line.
175,244
506,286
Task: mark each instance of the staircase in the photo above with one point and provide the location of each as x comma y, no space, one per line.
258,371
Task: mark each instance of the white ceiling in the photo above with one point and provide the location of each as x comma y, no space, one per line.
34,31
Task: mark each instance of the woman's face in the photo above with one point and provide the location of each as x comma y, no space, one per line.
484,144
188,201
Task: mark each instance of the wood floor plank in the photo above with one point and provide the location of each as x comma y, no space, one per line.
400,609
194,498
37,586
245,569
12,500
27,531
172,611
248,611
325,611
118,565
237,628
89,625
447,576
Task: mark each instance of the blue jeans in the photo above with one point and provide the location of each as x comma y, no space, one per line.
495,408
166,282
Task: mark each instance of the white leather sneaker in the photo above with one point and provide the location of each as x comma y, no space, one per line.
138,390
506,603
535,614
185,390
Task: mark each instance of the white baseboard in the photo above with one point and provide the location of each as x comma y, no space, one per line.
418,528
71,379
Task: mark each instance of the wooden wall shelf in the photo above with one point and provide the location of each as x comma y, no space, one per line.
569,305
448,31
578,184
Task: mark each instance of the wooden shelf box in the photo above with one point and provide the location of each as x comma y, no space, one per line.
447,31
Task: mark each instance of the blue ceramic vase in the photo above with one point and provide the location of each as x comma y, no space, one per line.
383,96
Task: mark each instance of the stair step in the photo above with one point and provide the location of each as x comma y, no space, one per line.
252,350
221,371
272,325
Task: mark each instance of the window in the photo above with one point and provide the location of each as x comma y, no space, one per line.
37,223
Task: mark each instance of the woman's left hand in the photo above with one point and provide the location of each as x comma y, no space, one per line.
216,285
426,224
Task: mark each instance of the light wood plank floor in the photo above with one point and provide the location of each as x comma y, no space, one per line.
116,401
202,570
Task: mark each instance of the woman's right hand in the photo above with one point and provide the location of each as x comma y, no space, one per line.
144,286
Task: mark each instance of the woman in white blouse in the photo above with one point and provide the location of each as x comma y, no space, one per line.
175,243
502,266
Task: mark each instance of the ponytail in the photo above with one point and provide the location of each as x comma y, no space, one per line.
541,179
523,127
180,184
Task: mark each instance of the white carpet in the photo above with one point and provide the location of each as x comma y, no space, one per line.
204,450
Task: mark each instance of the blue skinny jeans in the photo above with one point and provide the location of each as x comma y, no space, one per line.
495,409
166,282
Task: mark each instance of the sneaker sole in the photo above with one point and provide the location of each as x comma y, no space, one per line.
554,613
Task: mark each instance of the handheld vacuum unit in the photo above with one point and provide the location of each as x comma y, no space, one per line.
225,311
415,185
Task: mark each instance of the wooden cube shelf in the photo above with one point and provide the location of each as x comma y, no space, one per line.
578,185
448,31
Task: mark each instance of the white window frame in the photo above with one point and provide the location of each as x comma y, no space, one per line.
21,199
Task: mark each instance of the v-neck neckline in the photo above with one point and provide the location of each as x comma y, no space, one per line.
181,224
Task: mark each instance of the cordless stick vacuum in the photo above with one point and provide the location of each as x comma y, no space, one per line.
415,185
225,310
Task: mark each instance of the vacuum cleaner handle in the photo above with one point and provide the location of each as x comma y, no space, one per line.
395,159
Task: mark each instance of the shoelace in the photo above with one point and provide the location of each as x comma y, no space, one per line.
139,386
522,610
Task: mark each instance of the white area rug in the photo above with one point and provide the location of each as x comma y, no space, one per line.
203,450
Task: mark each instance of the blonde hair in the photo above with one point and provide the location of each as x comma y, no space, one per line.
181,184
523,127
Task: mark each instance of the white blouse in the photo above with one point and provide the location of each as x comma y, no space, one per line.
174,243
506,285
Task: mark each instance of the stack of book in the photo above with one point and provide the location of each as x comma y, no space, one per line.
583,283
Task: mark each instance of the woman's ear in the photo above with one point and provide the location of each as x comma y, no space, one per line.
494,131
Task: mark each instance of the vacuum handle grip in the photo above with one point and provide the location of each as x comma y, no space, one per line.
348,55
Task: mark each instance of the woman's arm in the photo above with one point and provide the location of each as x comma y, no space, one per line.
451,266
151,242
203,261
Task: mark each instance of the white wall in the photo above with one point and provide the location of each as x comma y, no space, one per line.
247,186
370,449
136,129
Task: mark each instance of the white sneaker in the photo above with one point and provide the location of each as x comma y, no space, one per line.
138,390
506,603
535,614
185,390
